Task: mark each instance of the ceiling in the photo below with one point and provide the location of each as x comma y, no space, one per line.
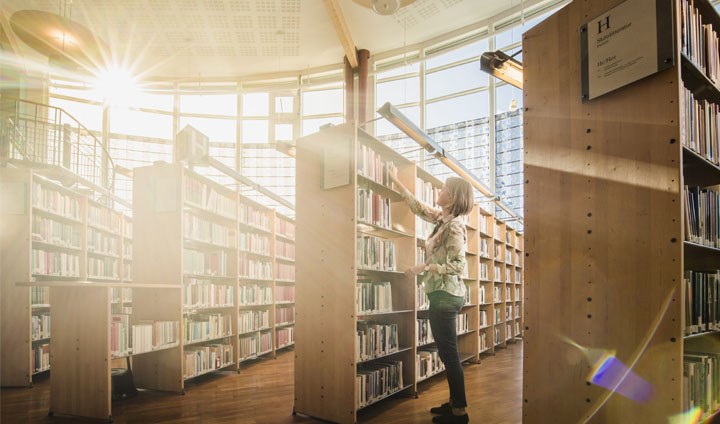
210,39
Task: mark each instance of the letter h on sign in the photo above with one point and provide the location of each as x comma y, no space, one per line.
605,26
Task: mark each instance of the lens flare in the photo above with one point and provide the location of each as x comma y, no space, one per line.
609,372
689,417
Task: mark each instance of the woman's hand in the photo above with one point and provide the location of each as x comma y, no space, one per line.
393,173
415,270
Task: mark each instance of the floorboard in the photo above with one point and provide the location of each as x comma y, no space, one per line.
263,393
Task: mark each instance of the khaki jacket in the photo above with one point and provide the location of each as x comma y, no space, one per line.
445,247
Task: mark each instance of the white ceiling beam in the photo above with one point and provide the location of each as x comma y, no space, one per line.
342,30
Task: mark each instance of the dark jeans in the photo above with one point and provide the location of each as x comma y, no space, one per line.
444,309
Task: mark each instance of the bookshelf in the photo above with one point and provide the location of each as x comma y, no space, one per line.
284,291
82,340
43,230
354,288
329,372
606,231
185,236
256,244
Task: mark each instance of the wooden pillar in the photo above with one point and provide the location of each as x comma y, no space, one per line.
349,91
363,59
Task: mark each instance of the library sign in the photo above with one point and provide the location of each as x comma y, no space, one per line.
629,42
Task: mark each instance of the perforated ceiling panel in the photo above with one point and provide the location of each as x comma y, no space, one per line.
225,38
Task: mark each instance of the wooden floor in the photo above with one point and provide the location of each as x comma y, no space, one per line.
263,393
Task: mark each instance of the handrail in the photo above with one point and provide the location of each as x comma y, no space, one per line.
52,136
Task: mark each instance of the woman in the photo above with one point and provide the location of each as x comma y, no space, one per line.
445,248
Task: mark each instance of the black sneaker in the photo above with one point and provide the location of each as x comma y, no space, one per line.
444,409
451,419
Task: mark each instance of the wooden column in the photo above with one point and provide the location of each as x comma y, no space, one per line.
349,91
363,63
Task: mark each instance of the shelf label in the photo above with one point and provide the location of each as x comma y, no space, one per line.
629,42
336,163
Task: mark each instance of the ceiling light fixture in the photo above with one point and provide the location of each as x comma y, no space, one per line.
502,66
384,7
64,42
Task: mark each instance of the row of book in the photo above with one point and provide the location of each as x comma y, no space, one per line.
254,217
104,218
254,294
40,295
428,362
462,324
702,215
284,272
702,301
120,335
485,247
198,293
484,271
285,250
53,201
50,231
423,331
127,227
154,335
699,42
255,243
701,381
205,263
375,339
205,358
371,165
201,327
701,128
40,358
377,380
254,269
198,229
120,293
40,327
103,268
373,297
486,224
127,249
253,321
483,342
376,253
61,264
255,345
284,315
100,242
285,228
284,293
422,302
284,337
373,208
201,195
127,271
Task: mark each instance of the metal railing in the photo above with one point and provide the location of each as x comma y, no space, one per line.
46,135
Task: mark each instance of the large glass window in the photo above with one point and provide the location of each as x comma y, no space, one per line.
457,109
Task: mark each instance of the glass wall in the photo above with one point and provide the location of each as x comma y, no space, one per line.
475,118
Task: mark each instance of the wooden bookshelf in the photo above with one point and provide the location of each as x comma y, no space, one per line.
327,363
40,222
185,235
81,341
256,245
284,274
605,230
340,294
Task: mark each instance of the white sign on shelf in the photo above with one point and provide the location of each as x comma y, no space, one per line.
336,163
625,44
